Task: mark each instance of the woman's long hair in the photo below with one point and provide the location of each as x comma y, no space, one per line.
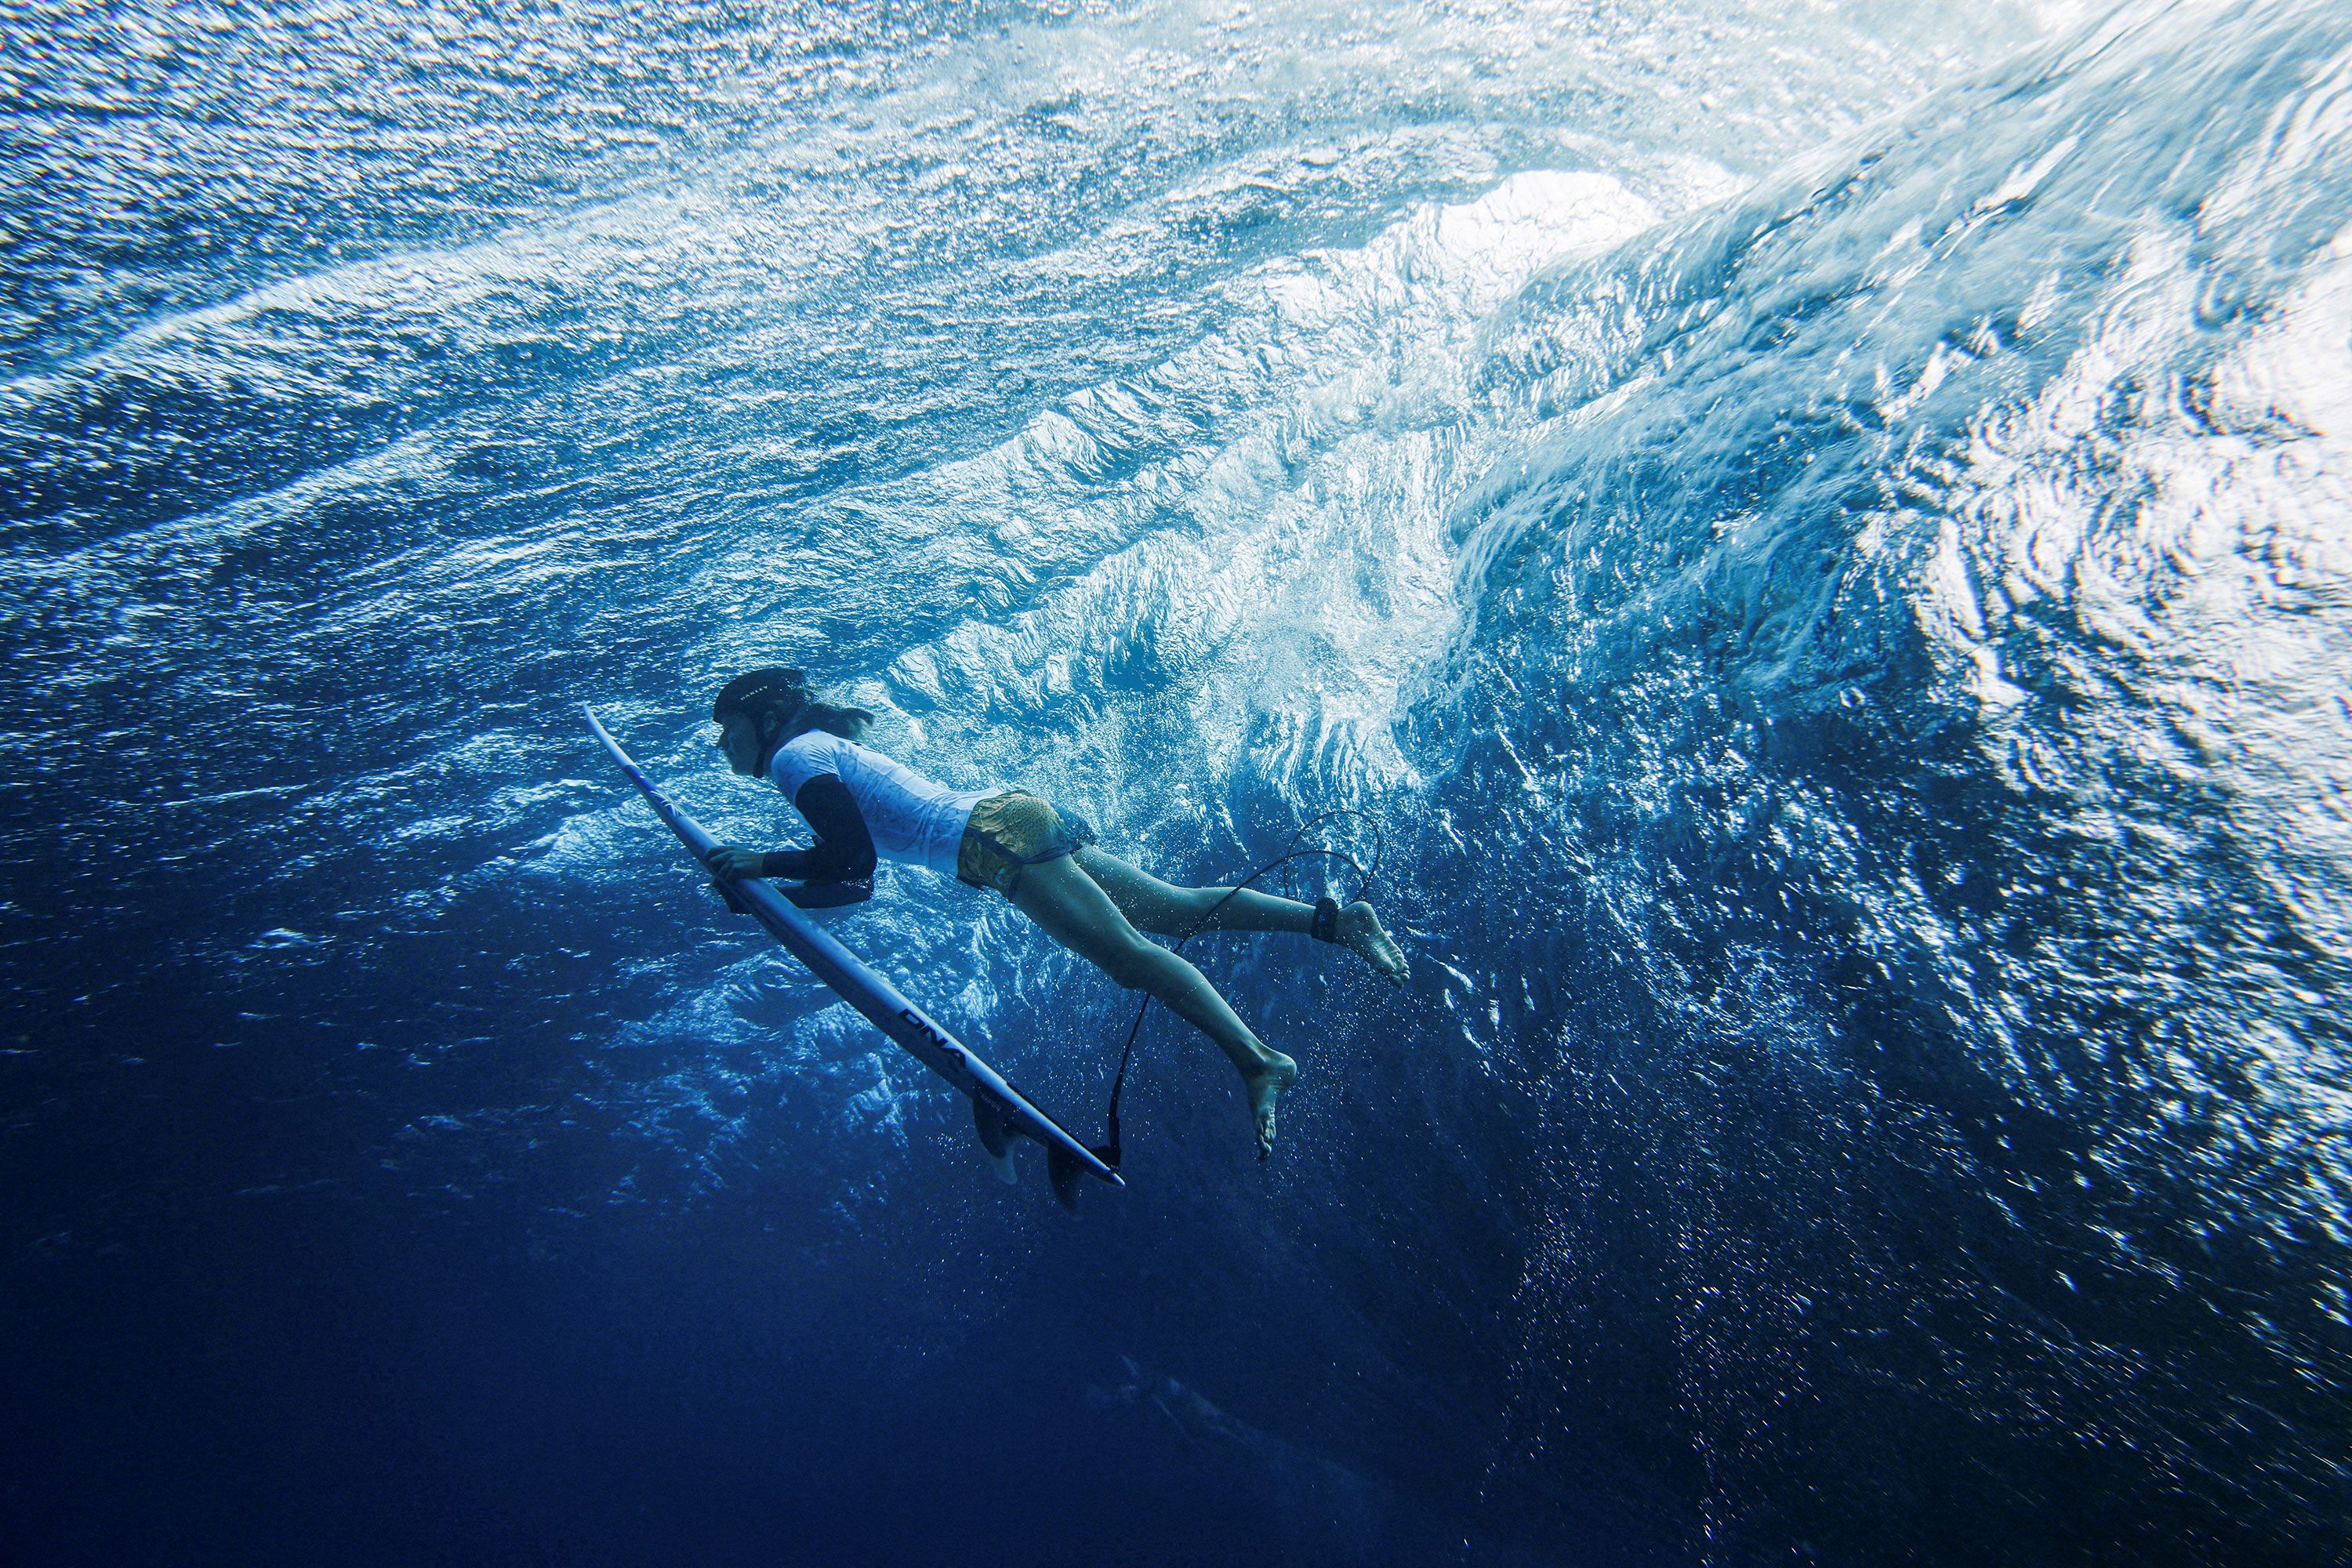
849,723
783,696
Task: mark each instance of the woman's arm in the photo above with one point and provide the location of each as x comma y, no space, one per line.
844,850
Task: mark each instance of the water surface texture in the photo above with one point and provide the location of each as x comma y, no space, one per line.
1821,536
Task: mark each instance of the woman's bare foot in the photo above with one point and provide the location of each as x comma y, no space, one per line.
1265,1082
1361,933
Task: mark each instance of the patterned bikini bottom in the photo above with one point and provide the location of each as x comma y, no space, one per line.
1011,832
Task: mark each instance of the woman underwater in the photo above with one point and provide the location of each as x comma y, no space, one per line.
862,804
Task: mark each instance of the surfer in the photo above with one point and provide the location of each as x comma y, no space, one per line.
862,806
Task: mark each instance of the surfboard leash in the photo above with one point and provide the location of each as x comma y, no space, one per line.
1108,1153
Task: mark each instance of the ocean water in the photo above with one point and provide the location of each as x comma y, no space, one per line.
1820,539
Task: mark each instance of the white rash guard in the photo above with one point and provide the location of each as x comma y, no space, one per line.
913,820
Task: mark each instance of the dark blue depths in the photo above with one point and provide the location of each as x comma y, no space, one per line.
1832,579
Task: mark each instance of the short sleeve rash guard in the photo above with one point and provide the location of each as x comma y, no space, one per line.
913,820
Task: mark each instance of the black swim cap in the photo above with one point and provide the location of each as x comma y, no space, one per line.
762,692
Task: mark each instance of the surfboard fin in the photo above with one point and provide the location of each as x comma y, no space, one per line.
1062,1169
996,1139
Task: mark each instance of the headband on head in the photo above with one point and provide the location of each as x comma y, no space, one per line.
770,690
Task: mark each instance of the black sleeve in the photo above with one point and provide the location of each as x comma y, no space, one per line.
844,850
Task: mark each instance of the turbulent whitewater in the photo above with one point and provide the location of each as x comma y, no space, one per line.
1822,539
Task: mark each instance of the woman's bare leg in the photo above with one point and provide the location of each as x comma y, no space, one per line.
1076,911
1166,909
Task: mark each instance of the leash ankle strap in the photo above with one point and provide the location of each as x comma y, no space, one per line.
1326,920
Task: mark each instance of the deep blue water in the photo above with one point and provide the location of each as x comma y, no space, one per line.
1823,538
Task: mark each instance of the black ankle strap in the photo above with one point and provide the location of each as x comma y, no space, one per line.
1326,920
